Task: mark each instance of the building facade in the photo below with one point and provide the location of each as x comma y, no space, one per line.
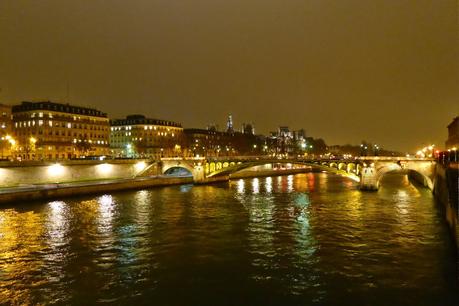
453,135
287,142
212,143
138,136
248,128
7,143
48,130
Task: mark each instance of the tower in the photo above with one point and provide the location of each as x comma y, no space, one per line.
229,124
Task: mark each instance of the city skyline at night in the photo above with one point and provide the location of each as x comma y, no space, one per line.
347,71
229,152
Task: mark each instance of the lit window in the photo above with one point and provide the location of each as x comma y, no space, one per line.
50,122
40,122
69,125
50,115
40,115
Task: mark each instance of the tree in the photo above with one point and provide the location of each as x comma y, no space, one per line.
83,147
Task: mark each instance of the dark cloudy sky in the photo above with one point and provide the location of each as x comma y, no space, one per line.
346,70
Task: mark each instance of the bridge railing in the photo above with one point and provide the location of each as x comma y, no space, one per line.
303,159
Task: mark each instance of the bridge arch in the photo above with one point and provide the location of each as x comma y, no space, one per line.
323,166
397,168
342,166
178,171
351,168
177,167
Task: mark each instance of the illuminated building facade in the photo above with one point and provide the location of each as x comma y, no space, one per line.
138,136
214,143
285,141
7,143
248,128
48,130
202,142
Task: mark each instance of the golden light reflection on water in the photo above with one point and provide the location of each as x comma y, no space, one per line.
106,207
290,183
240,186
58,222
20,246
269,184
255,186
305,234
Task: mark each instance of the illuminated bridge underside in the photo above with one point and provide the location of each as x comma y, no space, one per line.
366,170
349,170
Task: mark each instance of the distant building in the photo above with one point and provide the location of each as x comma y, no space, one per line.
285,141
49,130
138,136
229,124
7,142
214,143
453,134
213,127
207,142
248,128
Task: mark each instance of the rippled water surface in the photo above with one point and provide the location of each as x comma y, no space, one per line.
308,239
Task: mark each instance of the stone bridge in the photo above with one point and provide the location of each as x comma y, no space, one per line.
366,170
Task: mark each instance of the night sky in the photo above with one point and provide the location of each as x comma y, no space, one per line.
382,71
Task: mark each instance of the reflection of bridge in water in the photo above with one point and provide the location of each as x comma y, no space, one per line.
366,170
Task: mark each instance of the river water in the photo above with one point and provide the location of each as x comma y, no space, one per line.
306,239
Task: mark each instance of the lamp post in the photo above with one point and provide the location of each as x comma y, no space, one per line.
376,150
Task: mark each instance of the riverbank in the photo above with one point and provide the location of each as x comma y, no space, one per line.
69,189
32,192
446,191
